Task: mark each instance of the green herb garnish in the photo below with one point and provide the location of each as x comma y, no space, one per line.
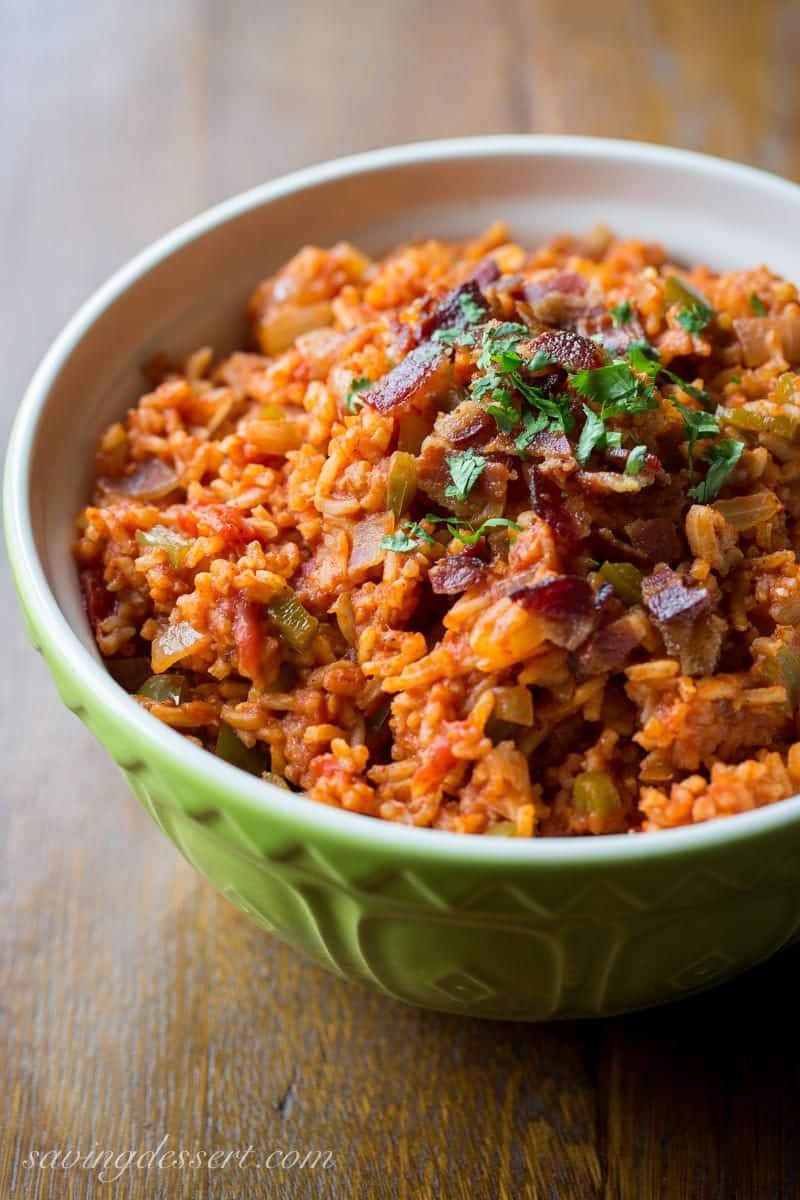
456,336
466,468
699,424
616,388
532,423
622,314
757,305
503,380
412,534
695,317
352,400
473,312
644,358
635,461
462,531
593,435
722,457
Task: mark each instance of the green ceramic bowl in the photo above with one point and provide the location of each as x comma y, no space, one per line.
491,927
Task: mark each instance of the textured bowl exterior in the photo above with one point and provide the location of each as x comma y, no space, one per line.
526,941
485,927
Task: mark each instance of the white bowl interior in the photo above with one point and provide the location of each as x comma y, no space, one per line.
191,289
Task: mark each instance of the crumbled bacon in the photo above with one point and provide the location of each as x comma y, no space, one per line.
449,312
455,573
548,503
610,647
486,272
569,350
668,598
423,373
465,424
617,339
656,539
566,282
549,444
565,603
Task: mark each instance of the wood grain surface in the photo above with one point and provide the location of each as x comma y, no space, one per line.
136,1004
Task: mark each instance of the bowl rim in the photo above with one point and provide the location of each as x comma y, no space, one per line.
304,814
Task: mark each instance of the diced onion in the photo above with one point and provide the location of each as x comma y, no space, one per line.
744,512
152,480
275,435
174,643
759,338
280,331
366,550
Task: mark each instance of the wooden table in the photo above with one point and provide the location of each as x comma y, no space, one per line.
134,1003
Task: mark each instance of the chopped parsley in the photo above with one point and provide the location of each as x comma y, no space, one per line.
621,314
532,423
757,305
466,468
593,435
722,457
616,388
699,424
412,534
473,312
352,400
457,335
469,536
636,460
503,381
499,347
695,317
645,359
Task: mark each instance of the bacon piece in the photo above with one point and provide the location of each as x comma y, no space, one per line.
464,424
565,603
455,573
549,444
548,503
486,272
560,597
655,539
571,351
423,373
568,283
617,339
667,598
610,647
449,312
